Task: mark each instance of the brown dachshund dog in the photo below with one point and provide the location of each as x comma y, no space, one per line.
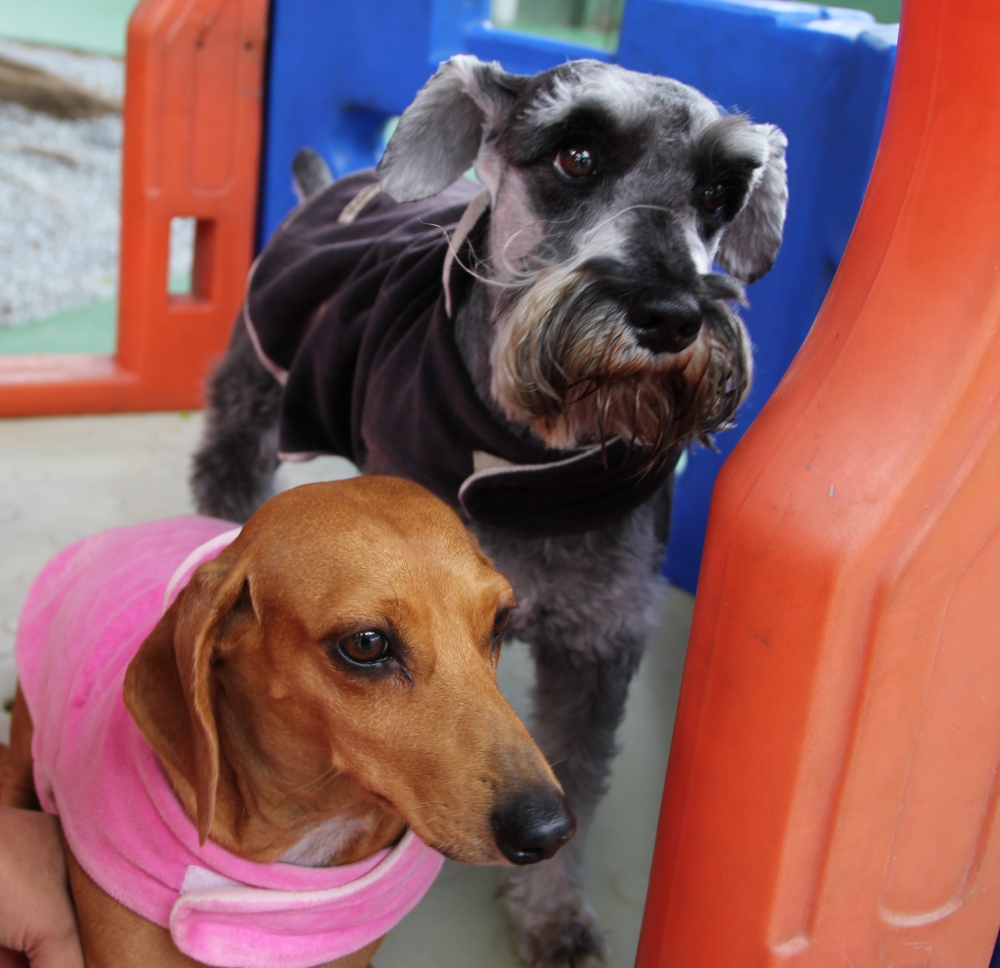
326,682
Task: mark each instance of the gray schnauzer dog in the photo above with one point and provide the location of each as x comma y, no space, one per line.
541,364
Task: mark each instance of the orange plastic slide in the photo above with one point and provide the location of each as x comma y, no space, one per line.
832,791
193,115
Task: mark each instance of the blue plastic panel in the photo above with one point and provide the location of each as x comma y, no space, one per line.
523,54
339,71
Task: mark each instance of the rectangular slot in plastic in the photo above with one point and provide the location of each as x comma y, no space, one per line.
192,249
180,273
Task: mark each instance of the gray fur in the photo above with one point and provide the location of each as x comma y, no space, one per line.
587,604
626,245
310,172
233,469
751,242
438,136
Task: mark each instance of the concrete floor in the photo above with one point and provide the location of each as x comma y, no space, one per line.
63,478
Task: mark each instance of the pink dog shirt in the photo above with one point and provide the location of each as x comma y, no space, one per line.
84,619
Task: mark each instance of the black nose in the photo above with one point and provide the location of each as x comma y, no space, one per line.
533,827
667,325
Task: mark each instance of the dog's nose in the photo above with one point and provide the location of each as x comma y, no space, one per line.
668,325
533,827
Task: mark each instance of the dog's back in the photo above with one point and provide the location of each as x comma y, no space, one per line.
83,621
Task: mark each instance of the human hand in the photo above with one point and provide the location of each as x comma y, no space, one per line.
36,913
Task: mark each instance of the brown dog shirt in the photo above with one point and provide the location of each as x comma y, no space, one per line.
347,309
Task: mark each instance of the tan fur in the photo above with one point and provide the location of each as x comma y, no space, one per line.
265,732
17,781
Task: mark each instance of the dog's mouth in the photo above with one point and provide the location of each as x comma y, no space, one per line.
583,355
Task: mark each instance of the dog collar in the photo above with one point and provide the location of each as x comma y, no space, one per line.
221,922
587,484
204,552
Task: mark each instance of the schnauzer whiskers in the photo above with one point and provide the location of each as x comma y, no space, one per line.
567,359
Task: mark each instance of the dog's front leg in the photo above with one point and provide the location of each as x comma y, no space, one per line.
587,606
17,777
233,469
579,704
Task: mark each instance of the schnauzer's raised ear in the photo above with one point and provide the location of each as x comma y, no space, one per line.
751,241
439,134
170,684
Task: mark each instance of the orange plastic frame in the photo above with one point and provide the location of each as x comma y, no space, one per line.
832,794
193,115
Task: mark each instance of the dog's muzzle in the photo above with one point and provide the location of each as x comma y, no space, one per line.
664,307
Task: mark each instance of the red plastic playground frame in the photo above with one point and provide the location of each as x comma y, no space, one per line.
193,115
833,785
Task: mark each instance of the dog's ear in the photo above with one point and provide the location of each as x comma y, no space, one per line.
439,134
170,685
751,241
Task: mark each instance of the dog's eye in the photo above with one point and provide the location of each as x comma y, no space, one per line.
365,647
500,624
576,162
713,200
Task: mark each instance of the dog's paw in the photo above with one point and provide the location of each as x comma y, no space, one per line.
554,926
569,939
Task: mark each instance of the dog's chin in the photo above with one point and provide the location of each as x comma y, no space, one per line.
462,842
476,852
576,374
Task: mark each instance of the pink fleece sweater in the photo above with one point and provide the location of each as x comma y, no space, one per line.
84,619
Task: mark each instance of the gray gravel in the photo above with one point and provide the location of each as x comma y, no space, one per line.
103,75
60,183
59,188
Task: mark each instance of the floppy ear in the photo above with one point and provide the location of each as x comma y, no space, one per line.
438,135
751,241
169,686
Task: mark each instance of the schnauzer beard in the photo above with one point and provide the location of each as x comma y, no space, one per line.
566,359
